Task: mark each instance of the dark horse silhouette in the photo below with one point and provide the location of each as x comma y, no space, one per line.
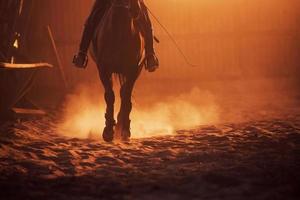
117,48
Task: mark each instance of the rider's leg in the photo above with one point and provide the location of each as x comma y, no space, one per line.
98,10
151,59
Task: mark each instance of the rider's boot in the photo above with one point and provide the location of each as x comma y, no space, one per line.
80,60
152,62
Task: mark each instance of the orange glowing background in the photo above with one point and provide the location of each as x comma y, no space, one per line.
247,53
227,38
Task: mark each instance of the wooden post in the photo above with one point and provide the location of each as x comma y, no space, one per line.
59,62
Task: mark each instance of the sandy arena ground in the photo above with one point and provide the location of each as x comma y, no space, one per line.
250,160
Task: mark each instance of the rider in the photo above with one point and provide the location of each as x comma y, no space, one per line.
97,13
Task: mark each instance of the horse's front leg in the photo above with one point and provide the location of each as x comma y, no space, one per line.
123,125
108,132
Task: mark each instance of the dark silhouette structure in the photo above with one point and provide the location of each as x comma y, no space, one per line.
9,13
17,69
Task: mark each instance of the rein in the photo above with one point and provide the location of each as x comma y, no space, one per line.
187,61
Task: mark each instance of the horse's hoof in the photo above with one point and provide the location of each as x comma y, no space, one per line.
126,134
108,134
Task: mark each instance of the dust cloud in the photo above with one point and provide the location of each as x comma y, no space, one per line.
84,110
165,106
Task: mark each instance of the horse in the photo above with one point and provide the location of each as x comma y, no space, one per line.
117,48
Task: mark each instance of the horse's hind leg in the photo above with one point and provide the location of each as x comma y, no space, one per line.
123,124
108,132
